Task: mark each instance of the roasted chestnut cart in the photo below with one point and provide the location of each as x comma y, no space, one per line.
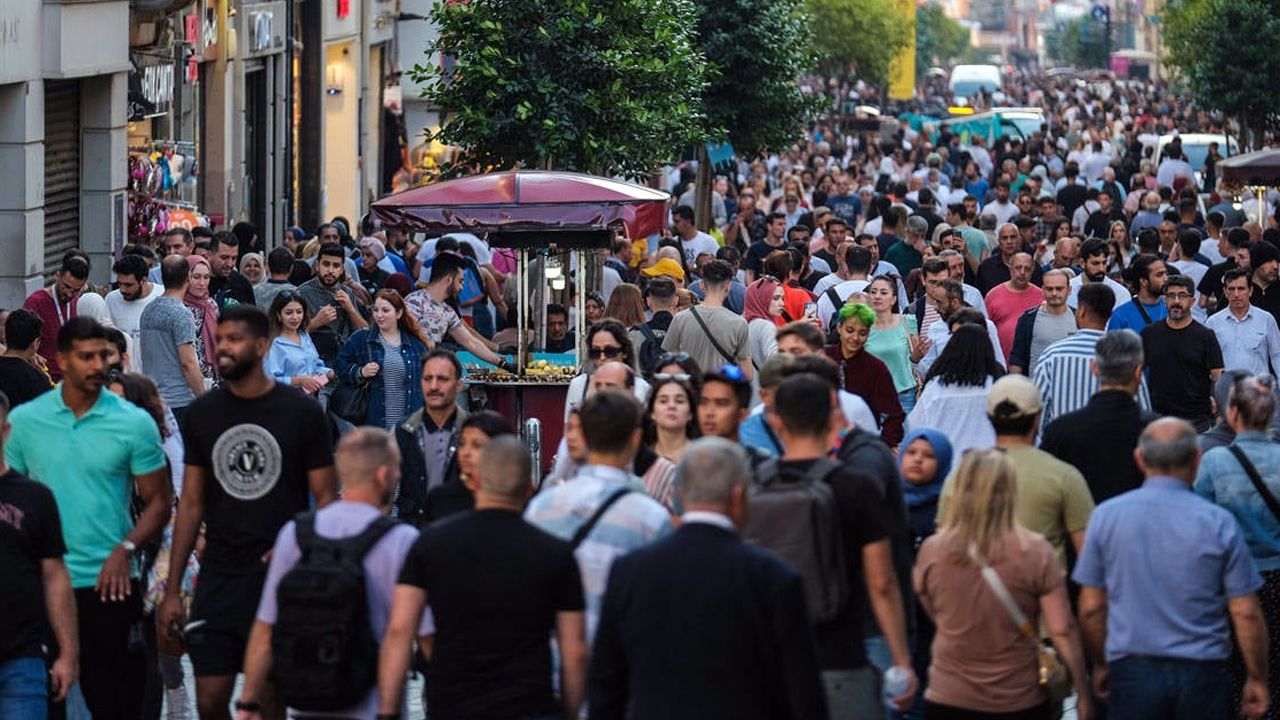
554,221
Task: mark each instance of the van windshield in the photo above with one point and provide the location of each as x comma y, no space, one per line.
969,88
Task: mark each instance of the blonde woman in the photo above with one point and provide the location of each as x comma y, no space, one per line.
983,666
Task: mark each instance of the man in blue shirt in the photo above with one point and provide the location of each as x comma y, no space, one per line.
1162,571
1149,273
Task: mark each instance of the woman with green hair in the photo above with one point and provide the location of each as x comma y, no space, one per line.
864,374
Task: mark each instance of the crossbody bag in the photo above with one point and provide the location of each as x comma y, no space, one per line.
1256,478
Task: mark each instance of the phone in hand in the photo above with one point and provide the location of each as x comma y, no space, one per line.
811,310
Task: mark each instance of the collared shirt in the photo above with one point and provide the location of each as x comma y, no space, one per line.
1064,375
436,444
1121,292
89,464
287,360
634,521
1247,343
719,520
1168,561
434,317
1222,480
940,334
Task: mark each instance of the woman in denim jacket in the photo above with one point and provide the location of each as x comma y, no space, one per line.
387,356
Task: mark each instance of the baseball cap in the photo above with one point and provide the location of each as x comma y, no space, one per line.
665,266
1013,396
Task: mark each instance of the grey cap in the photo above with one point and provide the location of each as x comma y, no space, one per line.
917,224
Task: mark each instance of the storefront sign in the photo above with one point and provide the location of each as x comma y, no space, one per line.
151,85
265,27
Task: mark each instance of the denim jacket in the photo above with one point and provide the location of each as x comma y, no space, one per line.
1223,480
362,348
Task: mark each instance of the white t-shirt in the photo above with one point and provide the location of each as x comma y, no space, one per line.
127,316
1122,293
701,243
484,256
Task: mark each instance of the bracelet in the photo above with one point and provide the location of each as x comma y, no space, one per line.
252,707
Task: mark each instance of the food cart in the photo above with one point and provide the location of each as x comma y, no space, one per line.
554,221
1255,172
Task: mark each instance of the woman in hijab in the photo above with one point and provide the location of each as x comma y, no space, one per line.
205,316
762,309
253,268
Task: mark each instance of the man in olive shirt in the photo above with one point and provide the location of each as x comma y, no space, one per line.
1053,498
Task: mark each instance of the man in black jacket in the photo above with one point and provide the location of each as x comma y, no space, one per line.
1099,438
732,618
428,439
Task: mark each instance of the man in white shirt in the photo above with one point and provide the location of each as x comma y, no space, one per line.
693,241
134,292
1248,335
1093,258
858,262
954,313
1000,208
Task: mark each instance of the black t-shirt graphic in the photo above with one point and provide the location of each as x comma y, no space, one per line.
30,531
258,452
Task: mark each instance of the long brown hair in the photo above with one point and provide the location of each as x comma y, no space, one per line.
626,306
407,323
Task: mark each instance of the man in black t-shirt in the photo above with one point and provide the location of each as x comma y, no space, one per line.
36,578
1183,359
20,379
227,286
254,448
498,588
802,410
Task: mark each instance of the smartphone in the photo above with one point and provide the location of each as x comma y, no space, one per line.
811,310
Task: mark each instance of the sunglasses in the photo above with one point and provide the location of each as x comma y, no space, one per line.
673,359
612,351
678,377
733,372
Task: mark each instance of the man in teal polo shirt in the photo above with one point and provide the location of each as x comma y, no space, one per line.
90,447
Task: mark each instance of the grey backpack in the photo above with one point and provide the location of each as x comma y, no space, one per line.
797,518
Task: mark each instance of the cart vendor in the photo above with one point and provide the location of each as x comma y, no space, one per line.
437,319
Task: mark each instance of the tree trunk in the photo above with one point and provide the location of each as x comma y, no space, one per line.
702,216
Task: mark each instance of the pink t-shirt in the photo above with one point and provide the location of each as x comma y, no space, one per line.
1005,306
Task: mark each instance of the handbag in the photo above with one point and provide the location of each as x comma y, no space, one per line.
350,402
1054,676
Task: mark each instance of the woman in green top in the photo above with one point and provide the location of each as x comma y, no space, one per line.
894,339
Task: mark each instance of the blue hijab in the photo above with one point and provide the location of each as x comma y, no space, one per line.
918,495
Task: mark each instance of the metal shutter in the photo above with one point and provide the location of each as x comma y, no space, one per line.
61,170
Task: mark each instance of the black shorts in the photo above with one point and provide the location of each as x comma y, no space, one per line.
227,604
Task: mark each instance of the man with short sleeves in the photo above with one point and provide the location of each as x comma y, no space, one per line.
133,293
1183,359
1007,301
335,314
500,589
92,448
775,239
693,242
367,465
38,595
1148,305
1160,632
168,336
56,305
20,378
1247,335
227,286
1043,325
257,453
1093,259
437,319
712,335
996,268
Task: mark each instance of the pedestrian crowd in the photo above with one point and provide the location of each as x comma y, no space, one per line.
933,426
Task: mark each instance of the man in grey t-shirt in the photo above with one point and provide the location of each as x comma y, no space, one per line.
1043,325
724,338
168,335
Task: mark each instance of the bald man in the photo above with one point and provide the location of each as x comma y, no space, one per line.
368,466
1007,301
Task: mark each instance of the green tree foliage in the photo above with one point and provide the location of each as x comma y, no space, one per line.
1236,75
1080,43
858,35
939,39
601,86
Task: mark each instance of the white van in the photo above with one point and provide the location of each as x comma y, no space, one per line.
1196,147
968,80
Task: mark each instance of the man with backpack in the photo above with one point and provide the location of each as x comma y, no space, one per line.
661,299
498,588
332,570
844,545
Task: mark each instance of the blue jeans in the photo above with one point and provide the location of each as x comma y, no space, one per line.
1152,688
907,398
24,689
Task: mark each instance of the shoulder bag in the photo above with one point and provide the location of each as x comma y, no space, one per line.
1256,479
1054,676
728,357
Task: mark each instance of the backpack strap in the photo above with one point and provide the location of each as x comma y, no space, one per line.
821,469
304,530
647,332
361,544
585,529
1256,479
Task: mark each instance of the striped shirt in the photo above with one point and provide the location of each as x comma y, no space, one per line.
393,383
633,521
1065,378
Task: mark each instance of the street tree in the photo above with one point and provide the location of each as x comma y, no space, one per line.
754,98
859,36
603,86
1224,70
938,37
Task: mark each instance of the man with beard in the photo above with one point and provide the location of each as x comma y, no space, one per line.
1149,274
1041,326
1093,259
429,438
93,450
132,295
257,451
335,314
227,284
429,306
56,305
1183,358
1264,262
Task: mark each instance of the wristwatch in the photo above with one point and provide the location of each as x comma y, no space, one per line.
129,546
252,707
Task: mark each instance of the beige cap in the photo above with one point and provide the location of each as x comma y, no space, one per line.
1013,396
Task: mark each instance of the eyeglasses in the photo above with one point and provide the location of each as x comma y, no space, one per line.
769,278
733,372
673,359
611,351
678,377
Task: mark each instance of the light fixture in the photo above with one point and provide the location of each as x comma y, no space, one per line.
554,270
334,76
557,284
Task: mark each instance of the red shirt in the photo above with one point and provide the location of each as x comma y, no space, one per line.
42,303
1005,306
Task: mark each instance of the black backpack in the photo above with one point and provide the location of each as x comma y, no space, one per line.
650,349
797,518
324,653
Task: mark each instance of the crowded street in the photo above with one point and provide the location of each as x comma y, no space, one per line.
515,369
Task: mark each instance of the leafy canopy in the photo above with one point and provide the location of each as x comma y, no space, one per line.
600,86
858,35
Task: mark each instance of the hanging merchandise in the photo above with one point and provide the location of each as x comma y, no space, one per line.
158,176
